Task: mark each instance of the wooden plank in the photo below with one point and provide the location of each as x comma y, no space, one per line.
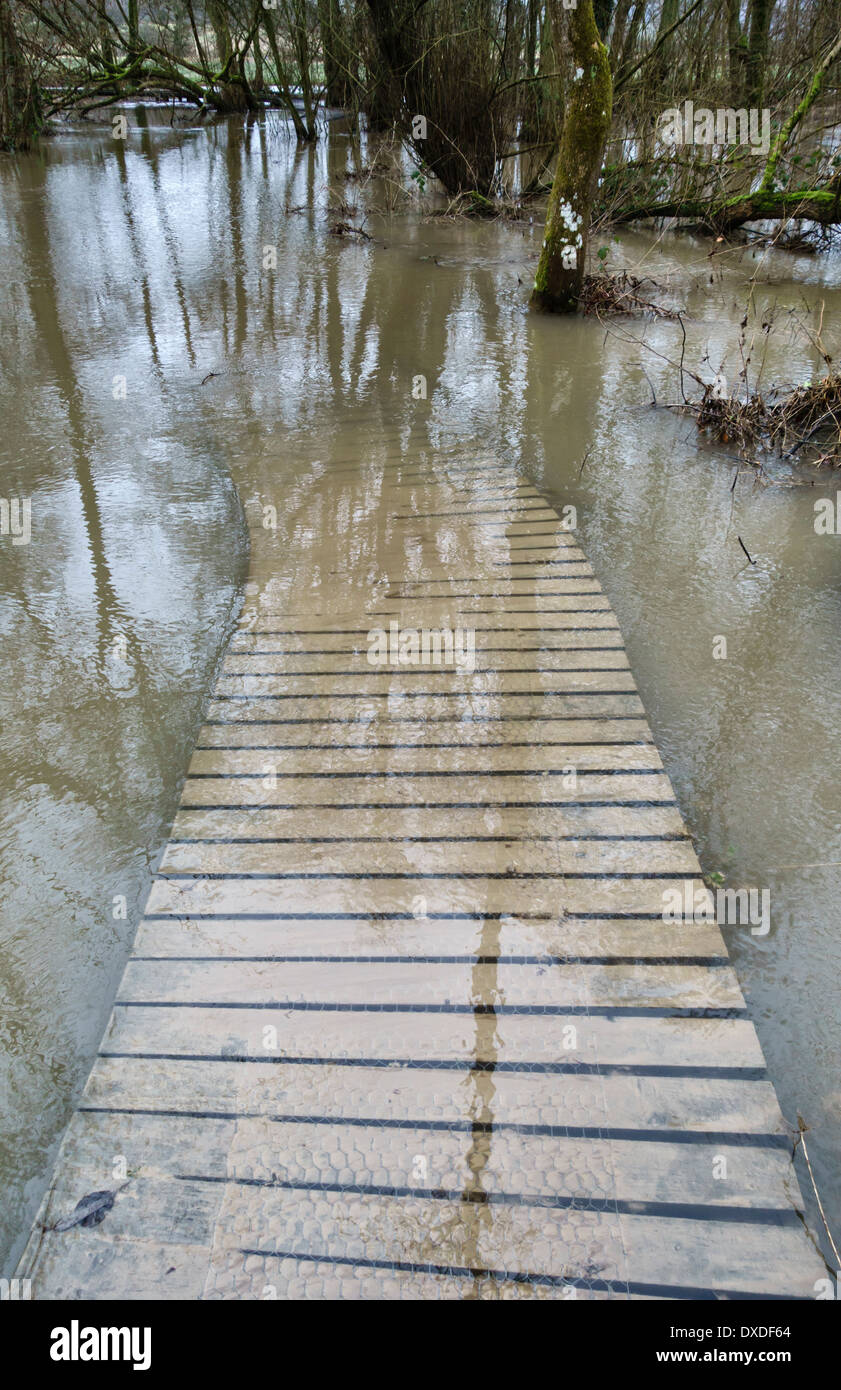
503,646
396,895
403,761
429,681
538,822
264,663
436,789
420,982
567,857
592,940
597,616
368,1155
527,1040
700,1108
420,706
452,733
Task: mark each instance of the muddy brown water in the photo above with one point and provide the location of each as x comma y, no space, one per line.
132,271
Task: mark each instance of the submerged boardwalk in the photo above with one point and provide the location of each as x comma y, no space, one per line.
403,1017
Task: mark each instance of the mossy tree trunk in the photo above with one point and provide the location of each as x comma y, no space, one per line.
787,130
821,205
560,272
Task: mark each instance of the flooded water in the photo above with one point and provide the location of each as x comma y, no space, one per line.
183,341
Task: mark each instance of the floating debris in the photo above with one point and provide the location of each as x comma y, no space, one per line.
347,229
620,294
806,416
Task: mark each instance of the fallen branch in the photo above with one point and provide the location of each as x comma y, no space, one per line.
821,205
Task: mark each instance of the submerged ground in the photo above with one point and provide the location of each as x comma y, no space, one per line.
137,269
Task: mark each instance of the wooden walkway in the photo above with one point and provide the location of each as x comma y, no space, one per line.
403,1017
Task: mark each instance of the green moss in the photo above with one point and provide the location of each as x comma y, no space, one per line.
821,205
814,91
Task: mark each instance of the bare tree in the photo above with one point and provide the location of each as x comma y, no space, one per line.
447,72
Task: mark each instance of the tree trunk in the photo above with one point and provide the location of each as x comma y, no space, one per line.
259,77
235,96
736,52
381,105
106,45
299,33
335,53
133,16
448,79
760,25
541,117
620,26
626,52
603,13
659,67
20,110
560,272
283,81
532,17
